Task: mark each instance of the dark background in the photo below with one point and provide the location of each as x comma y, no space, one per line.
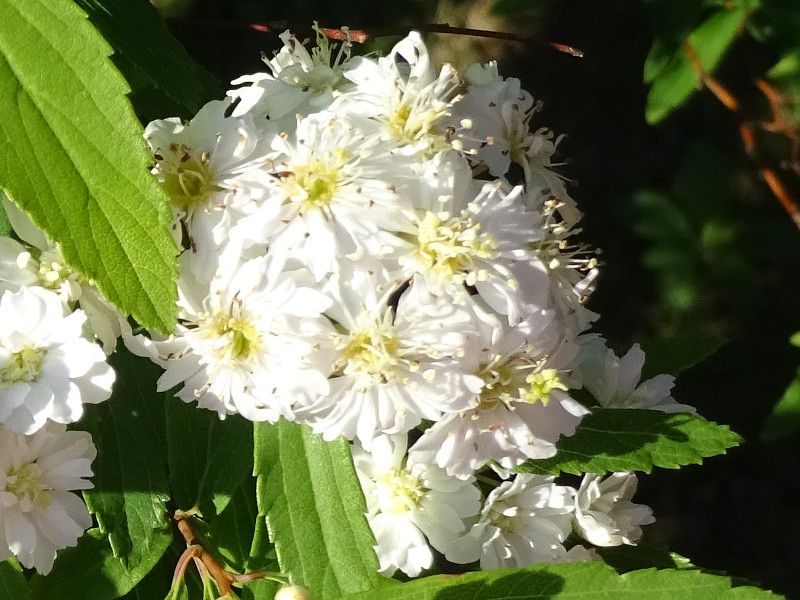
694,246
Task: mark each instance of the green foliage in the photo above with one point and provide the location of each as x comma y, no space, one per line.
164,80
785,416
578,581
635,440
12,582
680,352
131,488
5,224
72,157
668,69
314,509
208,458
90,570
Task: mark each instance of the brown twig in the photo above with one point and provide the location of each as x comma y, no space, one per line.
747,129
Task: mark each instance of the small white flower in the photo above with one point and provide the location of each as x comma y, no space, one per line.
300,81
252,341
523,522
522,409
615,382
38,513
211,169
48,370
604,513
408,502
477,234
394,368
403,95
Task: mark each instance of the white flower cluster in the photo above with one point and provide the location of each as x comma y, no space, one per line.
50,366
381,250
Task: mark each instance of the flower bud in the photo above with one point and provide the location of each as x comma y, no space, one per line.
293,592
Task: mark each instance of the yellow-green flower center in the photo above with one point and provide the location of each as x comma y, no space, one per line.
372,352
411,124
53,270
243,338
399,491
26,483
315,183
23,366
448,246
541,384
190,183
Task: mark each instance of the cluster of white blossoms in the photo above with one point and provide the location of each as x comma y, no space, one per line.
382,250
50,366
375,248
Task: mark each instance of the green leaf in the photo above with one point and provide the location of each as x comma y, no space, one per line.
13,584
163,78
72,156
131,488
90,570
5,224
314,508
785,416
576,581
611,440
673,80
208,458
680,352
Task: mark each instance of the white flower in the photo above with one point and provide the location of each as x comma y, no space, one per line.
332,197
252,341
300,81
48,269
614,382
524,521
604,513
404,96
522,409
407,503
211,169
38,513
48,370
481,235
394,368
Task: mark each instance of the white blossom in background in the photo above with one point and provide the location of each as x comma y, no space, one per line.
48,370
604,513
250,342
411,505
524,521
39,514
615,382
40,263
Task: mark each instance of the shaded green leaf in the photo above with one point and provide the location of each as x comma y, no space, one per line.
680,352
208,458
72,156
12,582
673,79
131,488
5,224
785,416
90,570
578,581
635,440
314,508
163,78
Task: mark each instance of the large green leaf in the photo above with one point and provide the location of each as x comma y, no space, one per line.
314,508
208,458
611,440
163,78
72,156
672,77
12,582
90,570
131,488
576,581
